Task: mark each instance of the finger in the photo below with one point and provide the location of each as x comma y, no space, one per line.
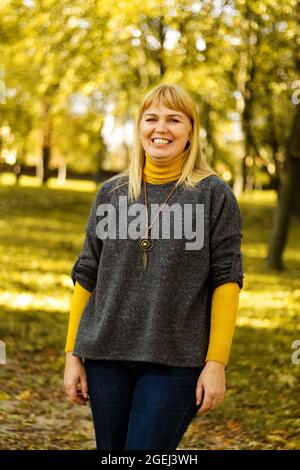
74,395
215,402
84,387
199,394
72,391
206,404
81,400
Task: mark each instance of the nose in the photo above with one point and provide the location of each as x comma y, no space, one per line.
161,127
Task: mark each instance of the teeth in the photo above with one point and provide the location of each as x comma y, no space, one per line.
161,141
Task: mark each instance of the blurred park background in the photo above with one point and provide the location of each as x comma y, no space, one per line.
72,76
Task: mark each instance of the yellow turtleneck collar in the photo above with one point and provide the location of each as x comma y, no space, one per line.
162,172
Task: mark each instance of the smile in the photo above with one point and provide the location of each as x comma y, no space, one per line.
161,141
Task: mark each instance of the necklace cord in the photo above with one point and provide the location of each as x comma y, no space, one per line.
146,203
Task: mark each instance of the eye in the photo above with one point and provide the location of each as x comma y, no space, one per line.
150,119
175,120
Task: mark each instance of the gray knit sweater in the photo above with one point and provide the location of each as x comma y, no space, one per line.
160,315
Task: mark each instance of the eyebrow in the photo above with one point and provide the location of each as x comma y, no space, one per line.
153,114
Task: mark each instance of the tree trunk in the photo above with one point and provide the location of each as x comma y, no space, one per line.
296,190
281,219
288,188
43,168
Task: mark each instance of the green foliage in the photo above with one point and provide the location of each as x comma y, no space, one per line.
109,54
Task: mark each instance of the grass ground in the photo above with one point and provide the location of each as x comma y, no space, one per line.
41,231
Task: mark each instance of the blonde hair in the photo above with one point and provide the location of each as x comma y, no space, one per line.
195,167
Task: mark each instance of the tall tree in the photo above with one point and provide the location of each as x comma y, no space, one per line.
290,181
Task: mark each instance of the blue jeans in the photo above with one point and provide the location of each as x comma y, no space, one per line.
140,405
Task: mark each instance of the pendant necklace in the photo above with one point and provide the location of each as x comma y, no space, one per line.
146,244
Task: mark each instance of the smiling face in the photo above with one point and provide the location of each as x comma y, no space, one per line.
164,132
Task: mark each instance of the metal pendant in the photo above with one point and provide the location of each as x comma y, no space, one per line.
146,244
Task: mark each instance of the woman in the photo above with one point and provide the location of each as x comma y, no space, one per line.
153,315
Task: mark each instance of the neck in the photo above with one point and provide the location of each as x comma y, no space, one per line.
159,172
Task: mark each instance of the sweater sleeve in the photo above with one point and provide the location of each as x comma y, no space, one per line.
85,269
78,302
226,263
225,300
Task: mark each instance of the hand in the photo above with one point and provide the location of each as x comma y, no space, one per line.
211,386
75,374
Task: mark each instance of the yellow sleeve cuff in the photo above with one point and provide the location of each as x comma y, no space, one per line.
224,308
79,300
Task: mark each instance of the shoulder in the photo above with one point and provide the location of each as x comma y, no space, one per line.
215,187
221,197
111,185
